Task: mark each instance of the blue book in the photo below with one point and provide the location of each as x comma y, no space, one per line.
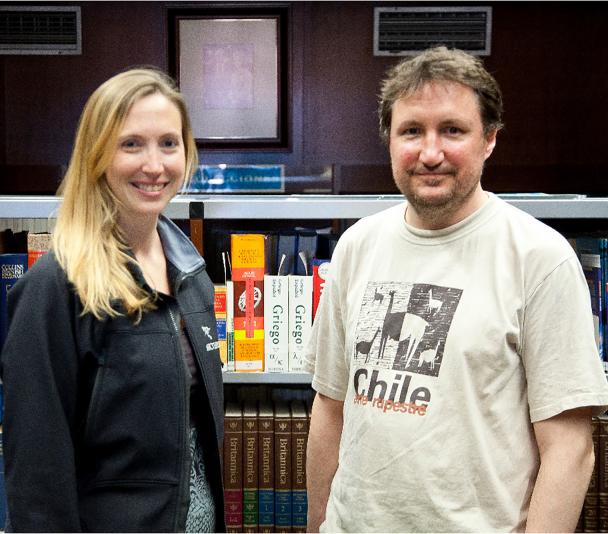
266,467
2,487
591,264
287,246
282,467
12,267
307,251
592,254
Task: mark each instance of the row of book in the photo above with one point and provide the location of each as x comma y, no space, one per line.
265,465
13,264
285,251
264,320
593,255
594,516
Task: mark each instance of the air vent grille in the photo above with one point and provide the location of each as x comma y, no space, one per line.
403,31
40,30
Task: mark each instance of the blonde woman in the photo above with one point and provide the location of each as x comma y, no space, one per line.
111,369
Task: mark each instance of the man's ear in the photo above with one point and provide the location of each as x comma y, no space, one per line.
490,142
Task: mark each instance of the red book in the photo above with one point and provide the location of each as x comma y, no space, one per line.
319,275
233,467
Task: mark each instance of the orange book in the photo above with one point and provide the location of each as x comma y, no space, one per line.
247,252
37,246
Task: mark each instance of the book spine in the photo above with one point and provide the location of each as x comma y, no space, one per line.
196,235
319,276
276,327
248,280
230,325
220,321
250,473
233,473
601,515
266,472
299,437
37,246
300,319
589,513
282,471
12,267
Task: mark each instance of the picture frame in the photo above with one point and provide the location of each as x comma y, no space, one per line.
231,64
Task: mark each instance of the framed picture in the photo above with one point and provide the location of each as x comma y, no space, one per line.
231,64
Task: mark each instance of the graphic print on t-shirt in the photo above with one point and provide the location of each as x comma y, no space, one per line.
404,327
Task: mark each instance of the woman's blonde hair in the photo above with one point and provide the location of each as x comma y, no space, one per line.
87,240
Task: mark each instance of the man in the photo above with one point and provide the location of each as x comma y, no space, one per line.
453,351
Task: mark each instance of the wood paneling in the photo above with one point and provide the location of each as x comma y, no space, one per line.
551,59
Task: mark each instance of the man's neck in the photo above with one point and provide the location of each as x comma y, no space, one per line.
438,218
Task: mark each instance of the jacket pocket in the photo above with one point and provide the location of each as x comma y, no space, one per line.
129,506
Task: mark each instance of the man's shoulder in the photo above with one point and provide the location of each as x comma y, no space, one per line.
530,232
377,224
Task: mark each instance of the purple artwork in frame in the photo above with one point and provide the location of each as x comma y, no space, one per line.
228,76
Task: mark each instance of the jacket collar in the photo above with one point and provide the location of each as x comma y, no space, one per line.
179,250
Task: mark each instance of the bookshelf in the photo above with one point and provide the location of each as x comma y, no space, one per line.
302,207
311,206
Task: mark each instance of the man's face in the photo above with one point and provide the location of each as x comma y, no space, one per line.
438,148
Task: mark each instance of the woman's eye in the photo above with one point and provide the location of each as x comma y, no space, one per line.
130,144
170,143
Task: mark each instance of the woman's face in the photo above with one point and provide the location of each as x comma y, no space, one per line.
149,162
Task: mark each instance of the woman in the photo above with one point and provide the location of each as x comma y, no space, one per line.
111,368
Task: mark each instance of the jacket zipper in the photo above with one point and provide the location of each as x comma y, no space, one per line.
185,484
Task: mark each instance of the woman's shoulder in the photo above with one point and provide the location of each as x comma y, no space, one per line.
45,276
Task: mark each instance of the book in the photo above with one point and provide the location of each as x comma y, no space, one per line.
589,245
300,319
12,267
319,276
299,438
266,466
247,253
282,467
306,249
3,504
233,467
196,234
287,251
276,325
591,264
37,245
602,478
250,466
219,306
229,326
589,513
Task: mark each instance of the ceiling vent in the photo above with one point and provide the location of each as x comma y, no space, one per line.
40,30
407,31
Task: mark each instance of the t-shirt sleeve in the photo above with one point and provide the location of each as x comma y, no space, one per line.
325,356
559,352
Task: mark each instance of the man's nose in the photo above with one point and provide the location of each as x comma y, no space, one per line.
431,153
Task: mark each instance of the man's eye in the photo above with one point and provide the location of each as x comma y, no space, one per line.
453,130
411,131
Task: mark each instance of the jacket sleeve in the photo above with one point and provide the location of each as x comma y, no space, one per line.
39,366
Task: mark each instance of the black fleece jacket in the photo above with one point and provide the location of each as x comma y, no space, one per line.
96,418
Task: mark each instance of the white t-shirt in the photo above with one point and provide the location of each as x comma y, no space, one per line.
445,347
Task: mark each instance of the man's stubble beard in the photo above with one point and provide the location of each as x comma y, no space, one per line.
442,207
